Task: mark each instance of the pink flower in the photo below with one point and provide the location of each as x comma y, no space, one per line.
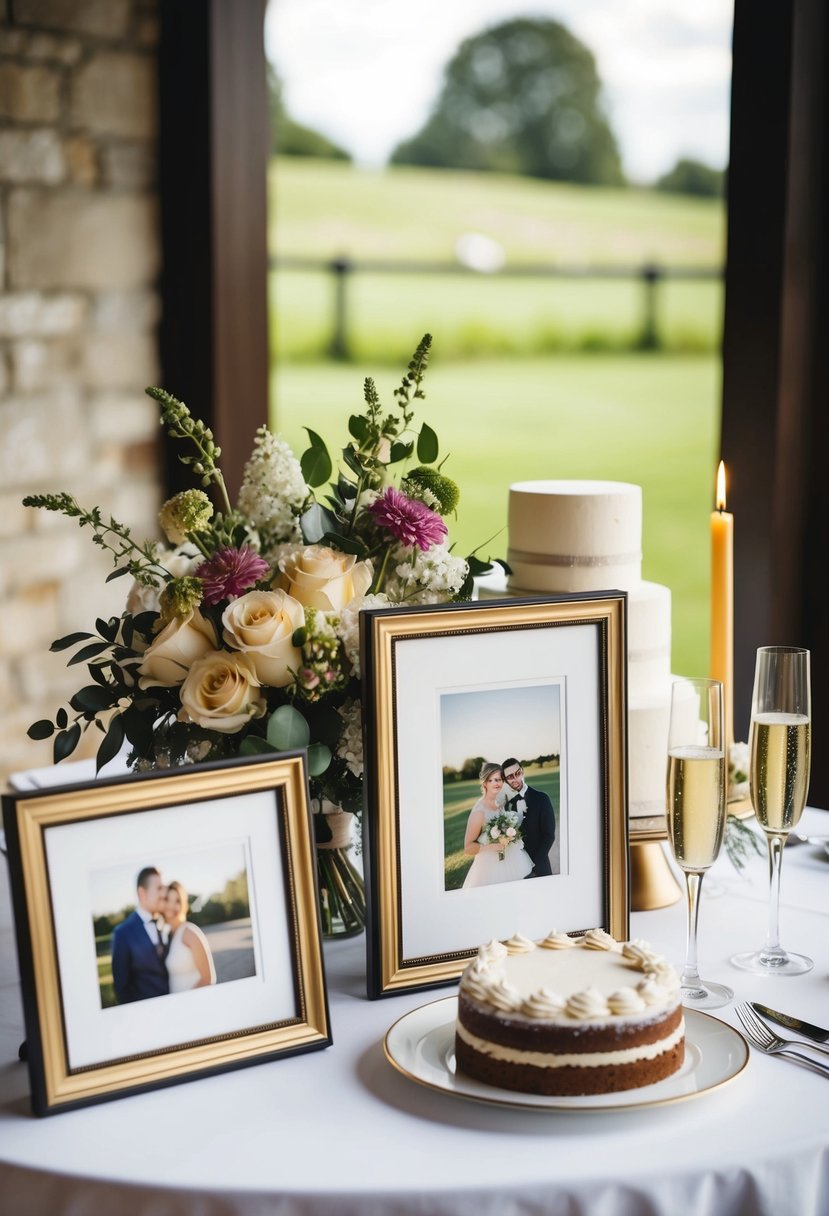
410,522
230,572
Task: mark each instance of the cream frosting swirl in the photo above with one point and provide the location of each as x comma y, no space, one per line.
651,991
587,1004
557,941
504,997
597,939
543,1004
518,944
477,983
665,975
625,1000
491,951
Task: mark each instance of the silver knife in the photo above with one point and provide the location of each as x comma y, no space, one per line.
816,1033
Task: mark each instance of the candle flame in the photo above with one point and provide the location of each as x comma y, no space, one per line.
721,487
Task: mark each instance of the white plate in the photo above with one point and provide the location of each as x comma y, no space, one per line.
421,1045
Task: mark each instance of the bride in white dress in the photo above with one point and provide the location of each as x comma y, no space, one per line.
488,866
189,960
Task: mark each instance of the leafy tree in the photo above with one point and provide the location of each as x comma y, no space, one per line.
521,97
289,138
693,177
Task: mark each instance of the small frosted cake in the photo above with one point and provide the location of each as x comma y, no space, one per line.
585,1015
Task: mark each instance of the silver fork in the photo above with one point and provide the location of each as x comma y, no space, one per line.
762,1038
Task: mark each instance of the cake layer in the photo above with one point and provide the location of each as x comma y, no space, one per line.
569,1016
648,721
649,639
574,535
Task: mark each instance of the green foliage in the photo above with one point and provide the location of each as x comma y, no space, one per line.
290,138
694,178
741,842
520,97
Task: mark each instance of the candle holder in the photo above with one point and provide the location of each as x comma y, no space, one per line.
652,881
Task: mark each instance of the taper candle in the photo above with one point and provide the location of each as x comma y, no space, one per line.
721,665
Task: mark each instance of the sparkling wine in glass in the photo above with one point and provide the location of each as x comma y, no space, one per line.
781,742
696,812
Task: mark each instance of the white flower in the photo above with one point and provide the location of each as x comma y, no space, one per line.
348,626
273,489
426,578
350,746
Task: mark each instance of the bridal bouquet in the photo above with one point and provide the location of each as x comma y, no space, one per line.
241,635
504,828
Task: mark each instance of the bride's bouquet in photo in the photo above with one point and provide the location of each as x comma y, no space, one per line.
502,829
240,635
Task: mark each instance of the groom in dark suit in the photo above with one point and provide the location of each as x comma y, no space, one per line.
539,823
138,952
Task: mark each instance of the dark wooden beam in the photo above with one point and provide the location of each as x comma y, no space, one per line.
213,151
775,355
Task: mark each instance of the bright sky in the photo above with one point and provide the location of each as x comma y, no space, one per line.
203,872
367,72
500,722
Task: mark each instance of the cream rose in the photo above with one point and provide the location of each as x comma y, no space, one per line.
324,578
221,692
261,625
175,649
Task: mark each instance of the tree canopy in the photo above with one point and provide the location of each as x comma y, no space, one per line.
289,138
693,177
522,97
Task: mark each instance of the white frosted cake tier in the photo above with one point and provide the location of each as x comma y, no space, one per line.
574,535
648,719
649,639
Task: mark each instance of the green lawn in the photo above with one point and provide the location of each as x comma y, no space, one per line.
649,419
325,210
459,798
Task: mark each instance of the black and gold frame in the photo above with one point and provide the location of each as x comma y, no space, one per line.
446,687
74,851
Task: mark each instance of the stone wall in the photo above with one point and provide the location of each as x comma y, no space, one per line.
79,308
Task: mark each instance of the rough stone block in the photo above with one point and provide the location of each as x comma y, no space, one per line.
43,440
120,361
30,621
79,239
114,93
30,314
38,47
101,18
31,156
31,560
39,365
29,94
123,418
130,166
119,310
82,160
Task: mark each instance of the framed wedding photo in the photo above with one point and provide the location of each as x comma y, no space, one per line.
167,926
496,778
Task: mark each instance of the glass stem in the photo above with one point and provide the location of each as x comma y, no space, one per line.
772,948
690,972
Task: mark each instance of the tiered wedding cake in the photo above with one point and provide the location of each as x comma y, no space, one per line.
571,536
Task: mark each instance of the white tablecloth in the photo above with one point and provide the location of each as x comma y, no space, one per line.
340,1133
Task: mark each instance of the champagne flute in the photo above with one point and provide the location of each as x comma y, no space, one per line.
781,748
696,812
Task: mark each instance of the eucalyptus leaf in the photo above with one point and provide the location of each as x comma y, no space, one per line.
358,427
400,451
111,745
92,699
315,522
353,461
43,729
88,652
254,746
287,729
319,758
71,639
427,445
119,573
66,742
316,466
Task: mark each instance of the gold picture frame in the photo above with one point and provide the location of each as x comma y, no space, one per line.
68,846
436,682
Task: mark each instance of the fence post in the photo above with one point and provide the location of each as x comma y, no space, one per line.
338,347
651,276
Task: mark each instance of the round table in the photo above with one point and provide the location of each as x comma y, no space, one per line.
340,1132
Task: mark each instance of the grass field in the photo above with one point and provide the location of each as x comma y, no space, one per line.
327,210
459,798
648,419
